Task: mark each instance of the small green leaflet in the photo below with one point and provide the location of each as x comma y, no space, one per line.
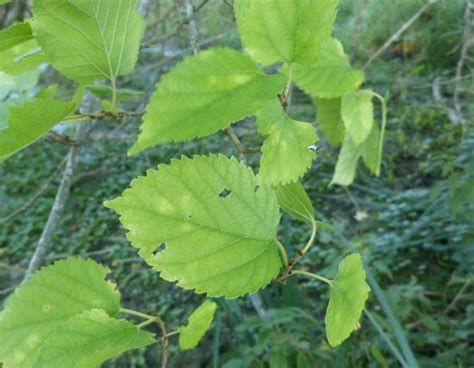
28,122
349,157
331,76
198,323
50,297
203,94
294,200
89,339
15,35
282,30
88,40
285,153
21,58
206,223
107,91
4,1
330,119
349,291
357,112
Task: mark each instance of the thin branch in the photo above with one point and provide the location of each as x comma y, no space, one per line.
35,196
288,271
176,29
238,145
398,33
62,195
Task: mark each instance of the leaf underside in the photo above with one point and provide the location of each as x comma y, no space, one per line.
89,40
349,291
351,153
198,323
206,223
294,200
330,119
204,94
51,296
357,112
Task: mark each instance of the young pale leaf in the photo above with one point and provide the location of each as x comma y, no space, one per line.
294,200
203,94
331,76
358,115
285,153
349,156
198,324
207,223
15,35
349,291
88,40
89,339
330,119
21,58
28,122
283,30
50,297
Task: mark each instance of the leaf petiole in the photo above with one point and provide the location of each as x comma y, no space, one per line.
312,237
282,250
312,275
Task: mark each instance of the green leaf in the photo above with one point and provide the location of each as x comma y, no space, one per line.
198,324
285,153
294,200
330,119
15,35
50,297
281,30
349,156
89,40
4,1
216,222
331,76
203,94
349,291
358,114
21,58
89,339
28,122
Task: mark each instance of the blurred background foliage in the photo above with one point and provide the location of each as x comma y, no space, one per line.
413,224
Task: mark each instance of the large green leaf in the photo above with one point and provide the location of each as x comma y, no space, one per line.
331,76
350,154
330,119
207,223
88,40
51,296
285,153
89,339
203,94
198,323
358,114
294,200
15,35
292,31
28,122
349,291
21,58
